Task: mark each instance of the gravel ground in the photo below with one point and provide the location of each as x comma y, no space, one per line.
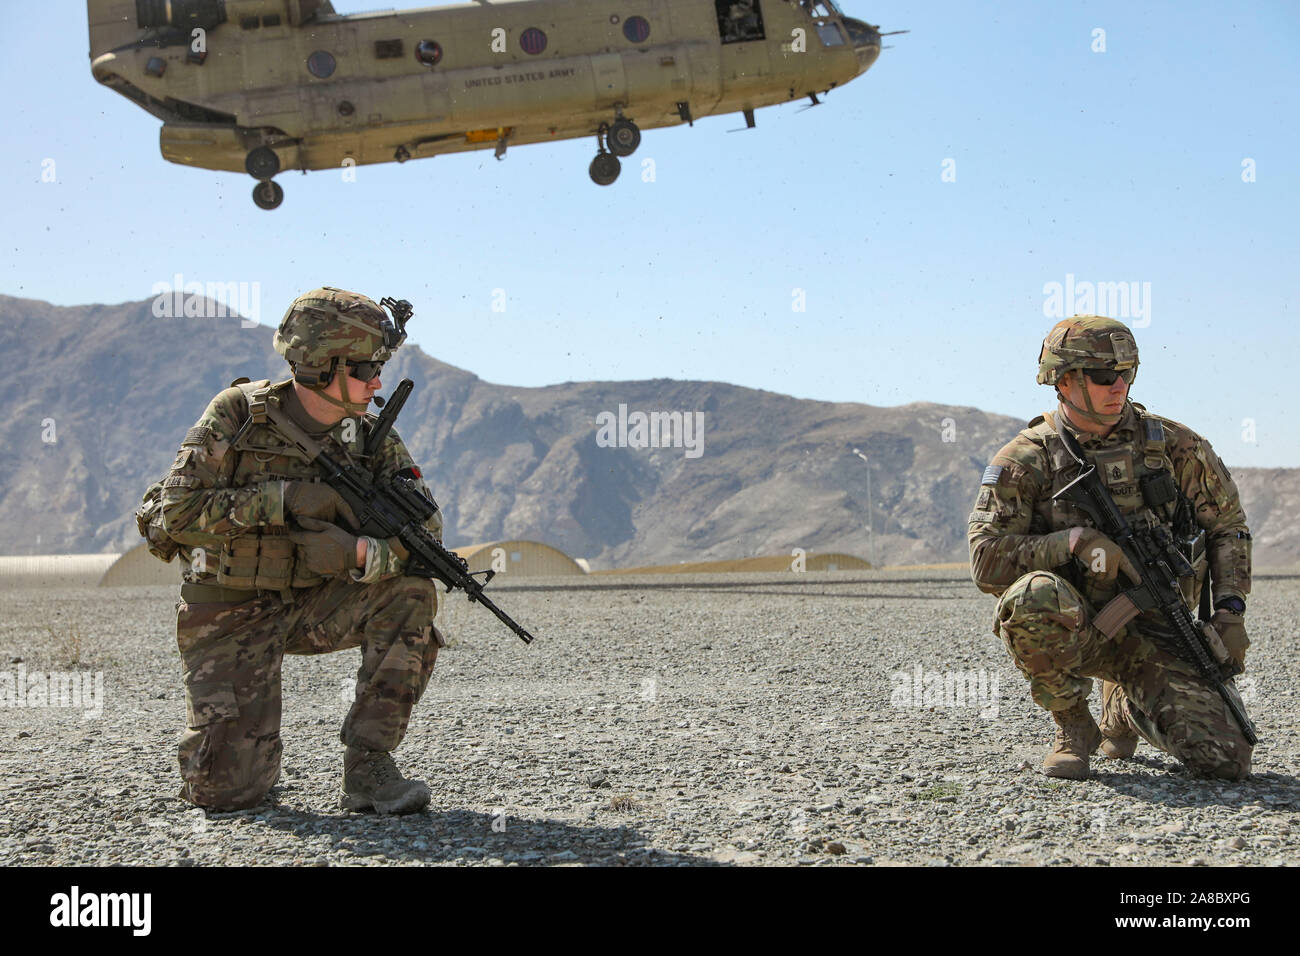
736,719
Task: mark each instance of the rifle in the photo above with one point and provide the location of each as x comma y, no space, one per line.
1158,560
395,507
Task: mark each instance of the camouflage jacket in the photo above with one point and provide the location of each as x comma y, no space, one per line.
1015,526
226,486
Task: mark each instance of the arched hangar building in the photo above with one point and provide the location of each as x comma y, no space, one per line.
519,559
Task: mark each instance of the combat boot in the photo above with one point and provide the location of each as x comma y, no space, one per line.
371,781
1119,739
1076,737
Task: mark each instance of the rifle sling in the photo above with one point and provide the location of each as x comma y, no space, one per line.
283,424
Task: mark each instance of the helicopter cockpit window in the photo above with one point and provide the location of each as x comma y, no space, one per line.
830,34
819,10
739,21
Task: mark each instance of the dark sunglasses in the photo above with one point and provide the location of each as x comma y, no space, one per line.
1107,376
365,371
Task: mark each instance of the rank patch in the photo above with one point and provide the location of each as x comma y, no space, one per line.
1116,470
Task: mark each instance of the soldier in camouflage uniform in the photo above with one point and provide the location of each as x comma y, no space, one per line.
1055,574
275,567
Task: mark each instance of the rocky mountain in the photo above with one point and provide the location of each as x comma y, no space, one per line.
738,471
1272,500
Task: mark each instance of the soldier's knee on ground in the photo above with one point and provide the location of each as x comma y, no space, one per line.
219,782
1040,618
229,757
1224,760
1188,720
224,800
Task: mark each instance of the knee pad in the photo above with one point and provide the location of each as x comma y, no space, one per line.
1041,600
1039,620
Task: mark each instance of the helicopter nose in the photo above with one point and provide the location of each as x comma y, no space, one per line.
866,42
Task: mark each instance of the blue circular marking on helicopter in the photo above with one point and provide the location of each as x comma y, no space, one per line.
321,64
532,41
636,29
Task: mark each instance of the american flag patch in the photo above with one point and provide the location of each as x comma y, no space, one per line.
991,475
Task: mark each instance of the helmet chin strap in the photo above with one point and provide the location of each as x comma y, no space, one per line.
349,406
1090,413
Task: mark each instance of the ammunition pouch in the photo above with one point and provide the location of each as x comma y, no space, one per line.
261,561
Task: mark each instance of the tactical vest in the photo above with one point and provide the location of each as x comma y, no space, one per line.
264,558
1139,474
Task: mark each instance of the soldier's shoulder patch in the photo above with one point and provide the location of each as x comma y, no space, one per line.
981,516
179,481
991,475
197,435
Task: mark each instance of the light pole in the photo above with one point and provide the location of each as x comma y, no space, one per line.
871,537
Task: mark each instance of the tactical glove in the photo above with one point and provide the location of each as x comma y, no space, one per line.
1232,631
1100,556
311,499
325,549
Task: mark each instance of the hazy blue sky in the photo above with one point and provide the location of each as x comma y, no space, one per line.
1122,166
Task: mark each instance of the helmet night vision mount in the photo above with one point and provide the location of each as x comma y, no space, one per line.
395,328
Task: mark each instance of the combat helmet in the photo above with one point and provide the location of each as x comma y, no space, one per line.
327,327
1087,341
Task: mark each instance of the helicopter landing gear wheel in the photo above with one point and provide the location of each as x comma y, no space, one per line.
268,194
262,163
623,137
605,169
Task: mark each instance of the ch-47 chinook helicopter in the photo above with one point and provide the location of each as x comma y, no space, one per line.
267,85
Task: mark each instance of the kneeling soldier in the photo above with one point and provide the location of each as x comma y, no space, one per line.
275,567
1055,573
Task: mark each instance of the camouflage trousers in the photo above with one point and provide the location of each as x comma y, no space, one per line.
230,752
1045,624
